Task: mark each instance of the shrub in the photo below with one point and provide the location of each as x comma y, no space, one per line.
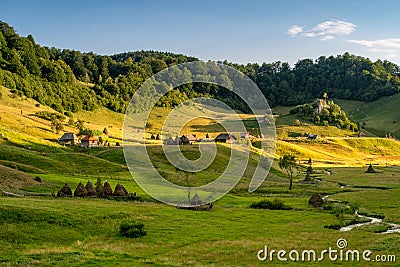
275,204
131,229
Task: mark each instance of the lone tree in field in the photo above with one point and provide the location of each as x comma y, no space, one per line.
288,162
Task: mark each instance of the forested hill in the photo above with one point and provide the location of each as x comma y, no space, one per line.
71,81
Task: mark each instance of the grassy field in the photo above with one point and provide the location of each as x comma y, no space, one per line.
48,231
70,232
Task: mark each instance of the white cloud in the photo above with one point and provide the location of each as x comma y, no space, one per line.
389,47
328,37
389,43
327,30
295,30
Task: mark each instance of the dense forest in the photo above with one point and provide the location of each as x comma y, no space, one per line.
70,80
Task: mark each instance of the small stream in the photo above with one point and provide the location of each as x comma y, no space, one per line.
395,228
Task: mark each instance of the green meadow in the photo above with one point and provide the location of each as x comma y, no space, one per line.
50,231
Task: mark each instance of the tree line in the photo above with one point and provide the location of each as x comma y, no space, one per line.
68,80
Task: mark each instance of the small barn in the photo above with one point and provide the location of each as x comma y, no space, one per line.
188,139
68,139
225,138
89,141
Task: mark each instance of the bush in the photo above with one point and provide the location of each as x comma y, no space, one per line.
275,204
132,229
38,179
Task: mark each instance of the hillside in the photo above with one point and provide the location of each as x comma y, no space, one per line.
379,117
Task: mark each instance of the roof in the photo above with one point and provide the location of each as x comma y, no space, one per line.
68,136
225,136
89,138
190,137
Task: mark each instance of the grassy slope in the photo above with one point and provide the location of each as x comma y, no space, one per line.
381,116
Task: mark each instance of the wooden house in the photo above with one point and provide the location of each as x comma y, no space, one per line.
68,139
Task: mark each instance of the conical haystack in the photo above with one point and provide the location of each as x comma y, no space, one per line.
308,178
91,191
107,190
120,191
80,191
65,191
310,170
370,169
99,189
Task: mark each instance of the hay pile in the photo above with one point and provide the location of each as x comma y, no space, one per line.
120,191
80,191
316,200
370,169
65,191
91,191
99,189
107,190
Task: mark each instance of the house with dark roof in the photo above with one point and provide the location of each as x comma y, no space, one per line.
225,138
188,139
68,138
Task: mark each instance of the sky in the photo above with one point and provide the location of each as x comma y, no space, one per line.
238,31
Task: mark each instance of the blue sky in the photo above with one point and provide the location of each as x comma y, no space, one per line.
239,31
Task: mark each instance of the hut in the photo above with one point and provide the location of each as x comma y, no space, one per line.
225,138
91,191
152,137
120,191
188,139
80,191
89,141
65,191
107,190
370,169
207,136
158,137
361,134
68,139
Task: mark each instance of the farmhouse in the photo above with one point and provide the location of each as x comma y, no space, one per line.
68,138
188,139
225,138
89,141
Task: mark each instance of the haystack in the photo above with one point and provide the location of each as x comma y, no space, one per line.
316,200
120,191
308,178
370,169
91,191
65,191
99,189
196,201
107,190
80,191
310,170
